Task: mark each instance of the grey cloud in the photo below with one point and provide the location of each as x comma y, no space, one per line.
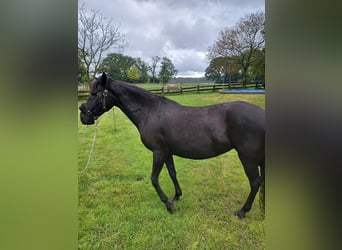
181,30
185,35
195,3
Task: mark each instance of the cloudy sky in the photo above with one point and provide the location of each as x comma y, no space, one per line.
181,30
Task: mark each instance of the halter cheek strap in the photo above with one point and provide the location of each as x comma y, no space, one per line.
105,94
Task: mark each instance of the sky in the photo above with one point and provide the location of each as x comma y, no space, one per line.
181,30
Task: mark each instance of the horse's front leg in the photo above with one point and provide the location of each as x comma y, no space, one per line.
158,162
173,174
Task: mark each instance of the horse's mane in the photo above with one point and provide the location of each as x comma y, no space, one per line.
141,93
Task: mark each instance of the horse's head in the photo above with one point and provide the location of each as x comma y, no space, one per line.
99,101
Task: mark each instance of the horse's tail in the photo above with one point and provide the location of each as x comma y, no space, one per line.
262,187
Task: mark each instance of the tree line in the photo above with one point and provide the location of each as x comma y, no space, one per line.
134,70
237,54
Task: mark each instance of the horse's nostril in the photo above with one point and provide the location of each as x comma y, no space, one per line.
82,108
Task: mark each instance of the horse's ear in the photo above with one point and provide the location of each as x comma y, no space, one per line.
104,80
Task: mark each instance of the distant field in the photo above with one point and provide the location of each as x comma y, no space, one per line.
119,208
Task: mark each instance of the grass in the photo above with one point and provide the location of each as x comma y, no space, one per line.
119,208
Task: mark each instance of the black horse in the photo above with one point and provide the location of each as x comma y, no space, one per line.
168,128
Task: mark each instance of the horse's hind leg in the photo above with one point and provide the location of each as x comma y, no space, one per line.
262,187
252,172
172,172
158,162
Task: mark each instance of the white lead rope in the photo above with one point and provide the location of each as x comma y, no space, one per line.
92,148
114,122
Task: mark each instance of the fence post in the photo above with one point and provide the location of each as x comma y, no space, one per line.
198,89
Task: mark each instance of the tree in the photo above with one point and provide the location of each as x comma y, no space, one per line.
143,69
167,70
241,41
96,35
221,69
82,71
258,65
117,66
152,68
133,73
213,71
124,68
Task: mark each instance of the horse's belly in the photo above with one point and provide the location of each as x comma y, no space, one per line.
200,149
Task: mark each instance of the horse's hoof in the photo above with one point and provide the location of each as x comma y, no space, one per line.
240,214
175,199
170,208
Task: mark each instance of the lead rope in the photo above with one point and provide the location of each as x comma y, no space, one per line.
92,148
114,122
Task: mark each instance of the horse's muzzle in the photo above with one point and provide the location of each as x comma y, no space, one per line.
83,108
87,120
86,116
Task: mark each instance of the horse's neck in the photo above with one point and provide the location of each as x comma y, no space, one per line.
135,113
135,107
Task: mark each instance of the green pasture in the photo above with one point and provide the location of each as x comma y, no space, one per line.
119,208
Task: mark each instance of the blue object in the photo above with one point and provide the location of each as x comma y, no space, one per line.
242,91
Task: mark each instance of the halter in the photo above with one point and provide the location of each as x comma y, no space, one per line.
104,94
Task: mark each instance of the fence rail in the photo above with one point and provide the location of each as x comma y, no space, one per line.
82,93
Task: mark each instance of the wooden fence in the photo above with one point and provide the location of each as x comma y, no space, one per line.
180,89
183,88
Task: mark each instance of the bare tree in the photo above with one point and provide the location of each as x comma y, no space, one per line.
241,42
152,68
96,35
